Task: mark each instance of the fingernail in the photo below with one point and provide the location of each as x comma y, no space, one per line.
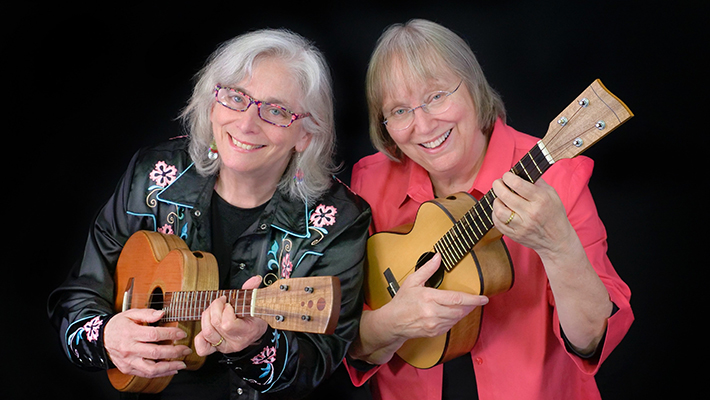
181,335
187,352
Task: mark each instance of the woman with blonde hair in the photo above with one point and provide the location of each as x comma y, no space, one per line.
440,129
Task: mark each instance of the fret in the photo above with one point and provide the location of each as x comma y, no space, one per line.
537,167
463,236
530,179
452,244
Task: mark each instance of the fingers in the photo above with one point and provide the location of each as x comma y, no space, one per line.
141,350
420,276
147,368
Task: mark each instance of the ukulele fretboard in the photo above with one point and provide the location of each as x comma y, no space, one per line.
476,222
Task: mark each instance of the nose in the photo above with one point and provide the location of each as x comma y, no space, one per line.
249,119
422,120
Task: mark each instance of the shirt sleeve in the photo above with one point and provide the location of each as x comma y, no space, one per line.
80,308
582,213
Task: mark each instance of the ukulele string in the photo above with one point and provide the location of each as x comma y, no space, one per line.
456,234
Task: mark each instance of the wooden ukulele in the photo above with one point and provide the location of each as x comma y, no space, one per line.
474,257
159,271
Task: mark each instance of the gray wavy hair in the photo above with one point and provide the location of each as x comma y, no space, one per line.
422,49
232,62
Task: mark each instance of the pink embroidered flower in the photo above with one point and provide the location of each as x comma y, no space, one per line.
267,356
286,266
163,174
166,229
92,329
323,215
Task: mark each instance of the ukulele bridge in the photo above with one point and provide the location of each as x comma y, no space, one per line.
392,285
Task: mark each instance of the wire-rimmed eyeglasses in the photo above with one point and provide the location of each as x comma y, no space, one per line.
436,103
269,112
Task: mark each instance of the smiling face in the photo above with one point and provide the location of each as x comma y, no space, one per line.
250,148
450,145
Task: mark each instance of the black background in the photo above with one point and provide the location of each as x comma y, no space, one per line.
88,86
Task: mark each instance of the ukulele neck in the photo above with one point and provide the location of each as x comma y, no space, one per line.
188,306
477,222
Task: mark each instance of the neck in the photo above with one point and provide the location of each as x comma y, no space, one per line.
244,192
447,183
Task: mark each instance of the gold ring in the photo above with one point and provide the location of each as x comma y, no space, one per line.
512,215
221,339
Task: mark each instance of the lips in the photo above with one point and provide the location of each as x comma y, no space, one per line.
437,142
245,146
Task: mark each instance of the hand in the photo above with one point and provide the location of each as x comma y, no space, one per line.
540,223
415,311
137,349
420,311
531,214
221,329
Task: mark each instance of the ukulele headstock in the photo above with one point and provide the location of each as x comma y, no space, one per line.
310,304
591,116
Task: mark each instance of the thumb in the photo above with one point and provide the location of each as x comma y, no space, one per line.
147,315
420,276
252,283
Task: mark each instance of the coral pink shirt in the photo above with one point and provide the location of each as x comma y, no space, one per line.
520,353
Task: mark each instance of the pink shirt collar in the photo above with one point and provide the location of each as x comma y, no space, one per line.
497,161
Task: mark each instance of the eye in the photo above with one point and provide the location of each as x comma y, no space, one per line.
276,112
399,112
237,98
436,97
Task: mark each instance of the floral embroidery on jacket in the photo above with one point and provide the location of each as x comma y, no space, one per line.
267,357
286,266
166,229
323,216
163,174
92,329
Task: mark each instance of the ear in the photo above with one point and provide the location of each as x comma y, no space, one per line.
303,142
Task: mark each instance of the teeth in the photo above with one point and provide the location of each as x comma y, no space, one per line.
244,145
436,143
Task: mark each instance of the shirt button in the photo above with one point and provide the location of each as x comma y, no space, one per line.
197,213
240,391
262,227
479,360
241,266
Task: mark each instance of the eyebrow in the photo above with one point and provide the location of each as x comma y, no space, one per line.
270,100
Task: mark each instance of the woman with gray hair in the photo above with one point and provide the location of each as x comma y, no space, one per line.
252,184
440,130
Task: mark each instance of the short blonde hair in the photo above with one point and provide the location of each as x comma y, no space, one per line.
421,50
232,62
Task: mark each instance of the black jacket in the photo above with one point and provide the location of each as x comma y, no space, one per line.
162,191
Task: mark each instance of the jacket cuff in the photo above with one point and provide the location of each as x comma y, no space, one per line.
261,363
85,343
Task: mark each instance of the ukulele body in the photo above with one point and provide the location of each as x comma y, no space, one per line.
487,270
159,264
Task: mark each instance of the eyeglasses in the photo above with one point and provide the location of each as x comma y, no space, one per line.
436,103
269,112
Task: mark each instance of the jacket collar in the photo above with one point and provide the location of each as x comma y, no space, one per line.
193,191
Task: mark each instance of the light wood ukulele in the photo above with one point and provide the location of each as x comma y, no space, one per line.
159,271
474,257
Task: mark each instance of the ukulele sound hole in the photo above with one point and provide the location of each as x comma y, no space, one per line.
437,277
156,301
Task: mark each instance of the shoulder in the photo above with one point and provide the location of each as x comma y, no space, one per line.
345,198
372,170
174,151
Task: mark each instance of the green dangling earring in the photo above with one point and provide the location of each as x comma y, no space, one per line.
212,152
